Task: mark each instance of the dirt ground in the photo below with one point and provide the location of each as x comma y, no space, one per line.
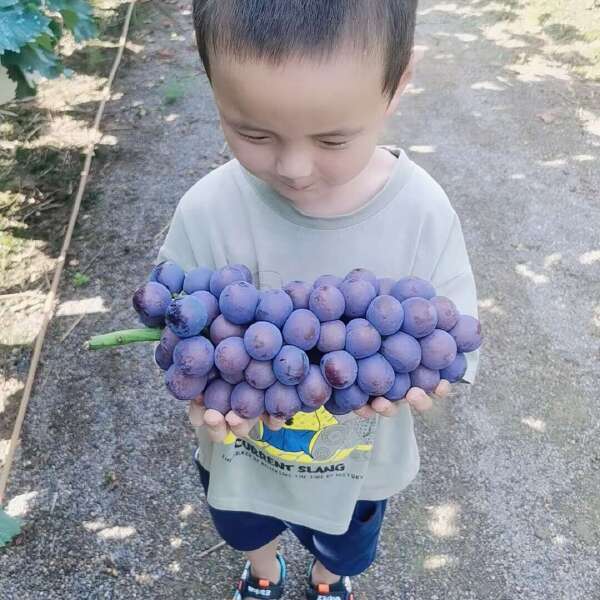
506,505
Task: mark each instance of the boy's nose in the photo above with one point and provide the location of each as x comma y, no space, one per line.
294,166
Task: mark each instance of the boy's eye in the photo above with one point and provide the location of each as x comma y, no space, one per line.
333,144
254,138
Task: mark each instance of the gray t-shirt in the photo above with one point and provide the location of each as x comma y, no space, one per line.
313,471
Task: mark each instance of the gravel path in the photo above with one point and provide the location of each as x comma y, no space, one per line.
507,501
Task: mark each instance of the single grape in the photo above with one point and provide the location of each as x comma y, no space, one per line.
375,375
327,303
365,275
245,272
290,365
197,280
247,402
339,369
447,312
210,304
385,285
163,353
233,378
412,287
194,356
238,302
302,329
309,409
151,301
333,280
262,340
350,398
222,277
231,356
299,292
362,339
186,316
314,391
438,350
282,401
420,317
332,407
170,274
358,294
332,336
467,333
163,359
259,374
425,378
386,314
455,372
222,329
400,388
217,396
182,386
274,306
402,351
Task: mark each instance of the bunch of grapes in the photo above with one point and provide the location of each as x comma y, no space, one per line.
337,342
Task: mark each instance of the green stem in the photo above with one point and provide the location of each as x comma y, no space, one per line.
126,336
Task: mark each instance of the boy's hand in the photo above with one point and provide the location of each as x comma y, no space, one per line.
415,397
219,425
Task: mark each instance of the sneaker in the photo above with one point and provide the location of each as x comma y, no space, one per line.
342,590
252,587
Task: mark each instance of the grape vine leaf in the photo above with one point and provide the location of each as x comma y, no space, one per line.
19,25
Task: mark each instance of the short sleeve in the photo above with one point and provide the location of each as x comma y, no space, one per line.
452,277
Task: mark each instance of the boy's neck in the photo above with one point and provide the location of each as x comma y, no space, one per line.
356,193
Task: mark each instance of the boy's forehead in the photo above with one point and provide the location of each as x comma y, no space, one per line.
343,90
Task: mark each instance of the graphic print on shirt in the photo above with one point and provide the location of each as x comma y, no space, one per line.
317,436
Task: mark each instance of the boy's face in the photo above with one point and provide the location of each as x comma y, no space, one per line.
305,127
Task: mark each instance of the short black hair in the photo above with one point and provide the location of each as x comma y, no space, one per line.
276,30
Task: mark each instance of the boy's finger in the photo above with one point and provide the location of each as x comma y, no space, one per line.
217,427
384,406
443,389
196,414
241,427
366,412
418,399
273,423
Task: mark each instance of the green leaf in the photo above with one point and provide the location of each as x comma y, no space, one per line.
5,3
20,25
77,16
34,59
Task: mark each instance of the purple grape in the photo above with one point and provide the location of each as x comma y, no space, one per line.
231,356
291,365
438,350
186,316
332,336
309,409
455,372
339,369
425,378
170,274
362,339
365,275
420,317
400,388
238,302
233,378
333,280
327,303
299,292
412,287
402,351
358,294
314,391
282,401
274,306
262,340
197,280
222,329
375,375
217,396
386,314
245,272
259,374
247,402
163,353
210,304
467,333
182,386
332,407
194,356
162,358
447,312
350,398
222,277
151,302
385,285
302,329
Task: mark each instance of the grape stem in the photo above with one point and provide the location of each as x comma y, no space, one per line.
125,336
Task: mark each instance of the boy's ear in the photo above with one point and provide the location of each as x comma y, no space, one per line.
415,57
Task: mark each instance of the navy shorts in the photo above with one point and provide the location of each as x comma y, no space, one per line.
348,554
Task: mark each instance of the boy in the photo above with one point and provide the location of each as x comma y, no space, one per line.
303,89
